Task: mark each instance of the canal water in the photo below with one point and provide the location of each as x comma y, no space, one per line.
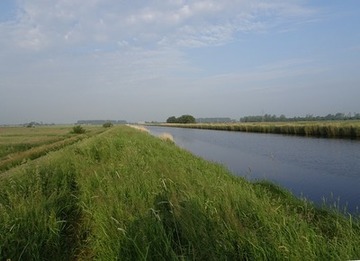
322,170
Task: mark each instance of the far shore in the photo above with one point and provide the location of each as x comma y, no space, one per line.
349,129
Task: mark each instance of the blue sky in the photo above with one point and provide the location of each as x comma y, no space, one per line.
65,60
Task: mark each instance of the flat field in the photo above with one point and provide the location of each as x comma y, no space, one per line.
327,129
20,144
122,194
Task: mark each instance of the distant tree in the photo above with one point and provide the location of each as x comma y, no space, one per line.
107,124
78,129
308,117
181,119
171,119
32,124
186,119
340,116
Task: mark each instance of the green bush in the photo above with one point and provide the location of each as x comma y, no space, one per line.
107,124
78,129
181,119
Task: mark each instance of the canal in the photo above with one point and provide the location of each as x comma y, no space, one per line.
322,170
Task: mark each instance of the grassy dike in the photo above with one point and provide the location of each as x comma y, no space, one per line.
327,129
125,195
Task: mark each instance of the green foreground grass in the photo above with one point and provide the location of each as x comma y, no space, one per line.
125,195
328,129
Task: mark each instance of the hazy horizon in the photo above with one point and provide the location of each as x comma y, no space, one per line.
148,60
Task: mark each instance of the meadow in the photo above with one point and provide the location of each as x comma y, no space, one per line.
349,129
122,194
20,144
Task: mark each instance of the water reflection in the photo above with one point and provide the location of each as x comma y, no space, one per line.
310,167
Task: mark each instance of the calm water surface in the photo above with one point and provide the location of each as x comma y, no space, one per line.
314,168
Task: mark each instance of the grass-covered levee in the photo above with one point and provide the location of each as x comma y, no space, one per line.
126,195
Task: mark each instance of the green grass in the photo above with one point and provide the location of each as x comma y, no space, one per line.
326,129
18,139
19,145
125,195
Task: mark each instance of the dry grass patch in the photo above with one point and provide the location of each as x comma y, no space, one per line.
166,137
139,127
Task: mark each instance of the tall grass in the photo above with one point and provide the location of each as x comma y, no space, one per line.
124,194
332,129
39,213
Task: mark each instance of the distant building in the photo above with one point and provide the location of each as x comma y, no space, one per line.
100,122
214,120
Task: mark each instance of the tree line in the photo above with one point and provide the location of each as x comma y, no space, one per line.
309,117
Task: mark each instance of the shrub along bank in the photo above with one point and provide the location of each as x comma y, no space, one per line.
126,195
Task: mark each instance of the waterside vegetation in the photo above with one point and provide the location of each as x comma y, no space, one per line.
282,118
327,129
124,194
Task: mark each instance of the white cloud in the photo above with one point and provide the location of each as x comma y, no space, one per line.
75,27
43,24
125,48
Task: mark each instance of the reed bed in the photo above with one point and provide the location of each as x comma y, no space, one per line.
125,195
332,129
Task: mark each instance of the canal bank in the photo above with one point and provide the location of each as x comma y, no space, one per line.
322,170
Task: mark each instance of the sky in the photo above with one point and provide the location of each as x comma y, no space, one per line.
146,60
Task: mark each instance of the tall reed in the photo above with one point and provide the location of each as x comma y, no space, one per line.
344,129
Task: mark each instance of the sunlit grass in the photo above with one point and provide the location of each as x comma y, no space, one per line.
139,127
125,195
18,145
166,137
16,139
